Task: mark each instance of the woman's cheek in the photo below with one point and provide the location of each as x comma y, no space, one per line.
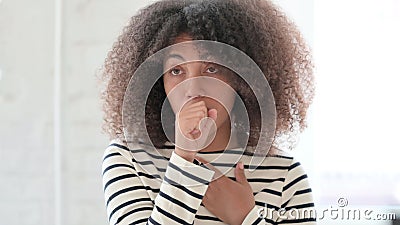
168,86
174,104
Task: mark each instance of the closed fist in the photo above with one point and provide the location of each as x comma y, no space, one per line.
195,126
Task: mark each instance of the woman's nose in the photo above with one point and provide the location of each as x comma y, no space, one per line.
195,86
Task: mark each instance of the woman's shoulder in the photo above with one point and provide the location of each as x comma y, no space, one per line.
137,152
280,155
117,147
274,156
285,158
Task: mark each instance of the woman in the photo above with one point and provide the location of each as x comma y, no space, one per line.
191,190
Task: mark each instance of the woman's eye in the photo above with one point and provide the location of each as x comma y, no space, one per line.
175,71
212,69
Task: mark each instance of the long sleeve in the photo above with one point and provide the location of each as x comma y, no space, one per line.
128,201
255,216
297,200
297,205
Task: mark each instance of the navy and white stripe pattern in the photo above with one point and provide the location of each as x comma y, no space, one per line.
135,196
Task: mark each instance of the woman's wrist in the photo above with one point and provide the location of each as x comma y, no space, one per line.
188,155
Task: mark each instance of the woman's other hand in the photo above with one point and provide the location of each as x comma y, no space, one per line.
229,200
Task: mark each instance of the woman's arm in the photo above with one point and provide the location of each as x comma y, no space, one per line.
297,200
128,201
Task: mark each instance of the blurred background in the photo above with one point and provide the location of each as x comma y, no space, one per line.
51,143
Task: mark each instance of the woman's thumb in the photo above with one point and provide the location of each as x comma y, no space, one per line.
239,173
213,114
208,127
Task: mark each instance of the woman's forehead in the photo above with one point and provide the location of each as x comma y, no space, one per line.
184,51
187,52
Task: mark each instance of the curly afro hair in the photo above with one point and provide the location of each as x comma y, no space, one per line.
256,27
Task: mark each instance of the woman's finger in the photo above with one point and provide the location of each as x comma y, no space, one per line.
198,114
194,111
196,104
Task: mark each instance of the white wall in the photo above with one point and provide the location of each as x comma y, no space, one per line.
27,106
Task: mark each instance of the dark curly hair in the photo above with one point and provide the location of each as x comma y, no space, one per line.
256,27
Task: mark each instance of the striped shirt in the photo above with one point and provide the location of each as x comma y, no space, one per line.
160,187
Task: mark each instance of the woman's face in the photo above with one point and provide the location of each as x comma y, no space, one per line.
204,81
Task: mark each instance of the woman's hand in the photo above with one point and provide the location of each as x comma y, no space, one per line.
229,200
192,133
